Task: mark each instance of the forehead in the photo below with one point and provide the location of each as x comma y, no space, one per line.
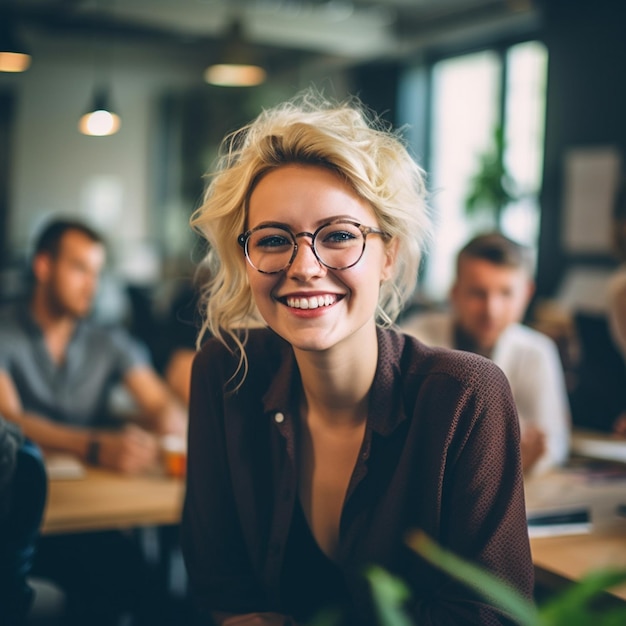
297,193
75,243
481,271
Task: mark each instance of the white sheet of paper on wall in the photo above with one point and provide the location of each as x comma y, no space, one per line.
591,177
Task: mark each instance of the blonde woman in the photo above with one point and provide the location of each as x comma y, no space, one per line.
319,435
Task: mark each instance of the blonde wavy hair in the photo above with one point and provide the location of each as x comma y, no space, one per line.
308,129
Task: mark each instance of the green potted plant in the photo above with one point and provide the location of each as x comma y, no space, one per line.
575,606
491,188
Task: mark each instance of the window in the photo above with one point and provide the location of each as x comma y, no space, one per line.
472,97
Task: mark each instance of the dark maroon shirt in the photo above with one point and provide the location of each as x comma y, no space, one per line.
440,453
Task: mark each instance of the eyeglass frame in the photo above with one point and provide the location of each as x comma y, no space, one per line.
243,239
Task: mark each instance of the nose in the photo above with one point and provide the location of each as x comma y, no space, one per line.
493,305
305,264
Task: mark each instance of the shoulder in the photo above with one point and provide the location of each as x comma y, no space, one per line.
105,334
10,314
12,329
416,360
442,388
263,348
112,340
524,339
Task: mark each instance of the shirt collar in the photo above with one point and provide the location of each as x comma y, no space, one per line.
386,409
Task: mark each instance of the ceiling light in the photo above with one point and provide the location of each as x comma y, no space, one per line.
100,120
234,75
238,65
14,56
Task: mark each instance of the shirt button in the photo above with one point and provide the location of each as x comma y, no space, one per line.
279,418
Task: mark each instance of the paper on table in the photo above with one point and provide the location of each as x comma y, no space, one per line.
60,466
598,446
563,521
567,502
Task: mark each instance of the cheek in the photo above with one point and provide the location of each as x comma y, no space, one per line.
260,286
364,282
518,308
378,266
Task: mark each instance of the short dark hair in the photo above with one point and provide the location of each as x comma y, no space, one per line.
49,239
497,249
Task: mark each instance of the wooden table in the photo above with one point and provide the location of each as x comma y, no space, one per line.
572,556
104,500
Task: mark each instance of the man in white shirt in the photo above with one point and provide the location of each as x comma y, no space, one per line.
488,299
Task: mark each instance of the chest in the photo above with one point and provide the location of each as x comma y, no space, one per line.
327,462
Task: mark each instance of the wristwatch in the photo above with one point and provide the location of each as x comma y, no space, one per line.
93,451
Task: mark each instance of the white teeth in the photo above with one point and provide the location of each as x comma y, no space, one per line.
311,303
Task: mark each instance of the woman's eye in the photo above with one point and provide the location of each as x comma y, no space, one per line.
273,241
339,236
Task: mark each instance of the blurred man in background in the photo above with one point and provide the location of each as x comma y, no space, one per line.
490,294
57,372
57,369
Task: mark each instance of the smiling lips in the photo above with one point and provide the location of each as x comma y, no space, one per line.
312,302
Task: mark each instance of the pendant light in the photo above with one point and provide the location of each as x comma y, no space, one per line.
14,56
238,65
100,119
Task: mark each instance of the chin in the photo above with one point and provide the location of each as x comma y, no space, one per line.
79,313
307,340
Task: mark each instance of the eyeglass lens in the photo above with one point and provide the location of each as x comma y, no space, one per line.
338,246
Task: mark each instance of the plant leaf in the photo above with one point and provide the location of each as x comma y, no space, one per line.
612,617
390,594
494,590
575,599
329,617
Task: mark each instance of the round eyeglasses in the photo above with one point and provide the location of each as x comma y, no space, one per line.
338,245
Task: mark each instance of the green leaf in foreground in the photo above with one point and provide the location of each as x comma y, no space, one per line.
495,591
573,606
389,594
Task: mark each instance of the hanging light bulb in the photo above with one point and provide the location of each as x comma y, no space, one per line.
234,75
14,56
237,67
100,120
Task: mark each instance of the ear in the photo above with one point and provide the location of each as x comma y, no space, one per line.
42,267
530,290
391,253
454,290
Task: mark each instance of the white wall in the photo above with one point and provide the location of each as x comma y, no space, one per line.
107,180
111,181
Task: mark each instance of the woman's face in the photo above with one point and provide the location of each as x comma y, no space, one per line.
309,305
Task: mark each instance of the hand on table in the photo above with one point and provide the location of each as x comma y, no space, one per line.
130,450
532,445
619,426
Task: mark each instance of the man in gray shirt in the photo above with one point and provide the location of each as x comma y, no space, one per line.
57,368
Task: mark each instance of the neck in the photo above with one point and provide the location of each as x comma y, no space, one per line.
336,382
50,321
464,341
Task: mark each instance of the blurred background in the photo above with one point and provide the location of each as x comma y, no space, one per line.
515,108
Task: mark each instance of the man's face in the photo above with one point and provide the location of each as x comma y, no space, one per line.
486,298
70,280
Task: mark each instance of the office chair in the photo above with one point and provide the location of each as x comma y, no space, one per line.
599,395
19,528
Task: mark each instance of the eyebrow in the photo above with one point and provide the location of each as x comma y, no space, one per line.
327,220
